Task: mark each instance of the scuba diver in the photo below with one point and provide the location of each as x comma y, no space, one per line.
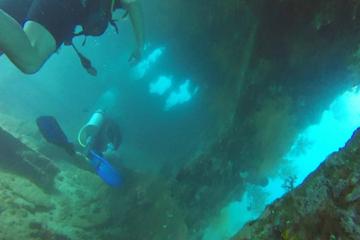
99,141
101,134
32,30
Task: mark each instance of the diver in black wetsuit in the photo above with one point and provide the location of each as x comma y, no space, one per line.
100,139
32,30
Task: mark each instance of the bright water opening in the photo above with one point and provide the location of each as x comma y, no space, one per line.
311,147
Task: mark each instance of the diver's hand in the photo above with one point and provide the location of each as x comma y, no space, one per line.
135,57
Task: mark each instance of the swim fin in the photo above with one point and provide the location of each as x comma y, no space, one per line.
52,132
104,169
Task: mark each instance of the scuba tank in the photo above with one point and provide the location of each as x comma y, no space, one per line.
100,133
91,128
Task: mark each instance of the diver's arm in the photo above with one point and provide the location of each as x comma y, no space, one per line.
136,16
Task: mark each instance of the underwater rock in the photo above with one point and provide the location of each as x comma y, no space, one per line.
270,73
80,206
84,199
41,200
21,202
146,209
325,206
19,158
78,210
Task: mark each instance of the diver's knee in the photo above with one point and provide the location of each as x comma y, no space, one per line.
31,63
29,68
29,71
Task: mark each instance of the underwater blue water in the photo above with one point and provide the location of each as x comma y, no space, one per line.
162,121
161,110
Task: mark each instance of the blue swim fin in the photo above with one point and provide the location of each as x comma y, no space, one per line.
52,132
104,169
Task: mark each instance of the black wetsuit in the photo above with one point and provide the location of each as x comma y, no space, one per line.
109,133
59,17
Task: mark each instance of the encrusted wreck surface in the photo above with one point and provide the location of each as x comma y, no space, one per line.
38,199
19,158
325,206
41,200
279,64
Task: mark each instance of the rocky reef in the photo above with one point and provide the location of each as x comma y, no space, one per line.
325,206
41,199
19,157
279,64
80,206
53,198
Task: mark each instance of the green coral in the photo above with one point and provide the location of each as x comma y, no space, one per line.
288,235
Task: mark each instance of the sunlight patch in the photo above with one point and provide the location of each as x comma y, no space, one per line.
180,96
144,66
161,85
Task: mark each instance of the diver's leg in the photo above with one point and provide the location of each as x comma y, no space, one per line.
27,48
41,40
